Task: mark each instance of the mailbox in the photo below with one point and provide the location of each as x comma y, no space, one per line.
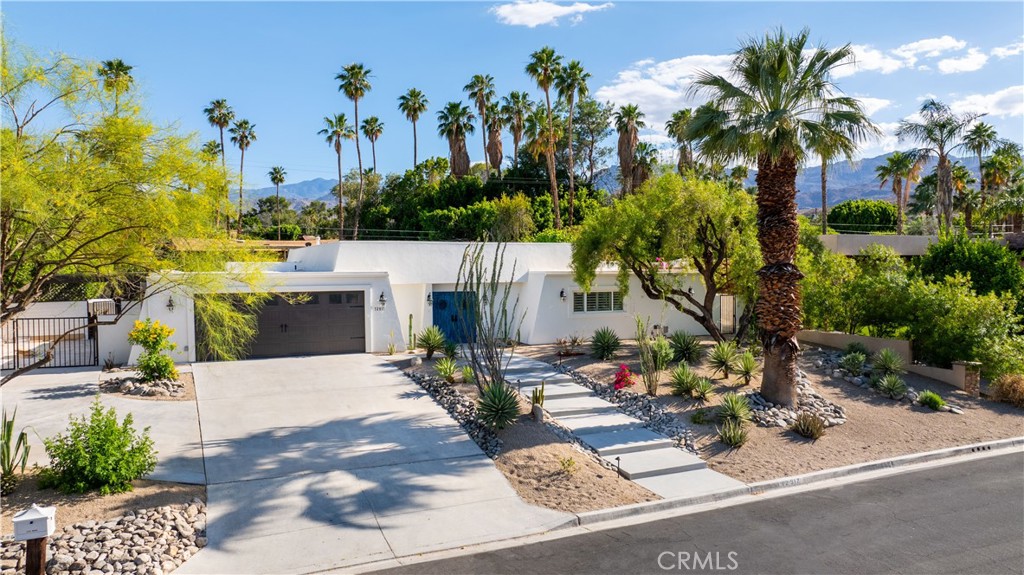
34,523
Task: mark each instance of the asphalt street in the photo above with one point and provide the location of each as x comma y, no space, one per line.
961,518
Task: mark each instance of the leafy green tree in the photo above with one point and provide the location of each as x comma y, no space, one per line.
373,128
276,176
628,122
243,134
544,66
413,104
571,82
337,129
868,216
355,83
989,266
669,227
454,121
824,285
593,126
513,220
779,89
314,216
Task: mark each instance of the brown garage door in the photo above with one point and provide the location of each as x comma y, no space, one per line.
325,322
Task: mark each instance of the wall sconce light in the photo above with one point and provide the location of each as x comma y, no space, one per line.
430,299
382,300
689,290
170,303
561,294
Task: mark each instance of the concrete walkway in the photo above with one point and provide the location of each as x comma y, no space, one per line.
318,463
643,456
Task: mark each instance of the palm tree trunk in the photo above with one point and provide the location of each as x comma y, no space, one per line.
515,149
224,170
897,189
373,150
277,209
551,164
824,195
945,185
483,134
341,201
241,178
359,158
778,305
415,161
572,171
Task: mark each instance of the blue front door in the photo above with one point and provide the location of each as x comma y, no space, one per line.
454,315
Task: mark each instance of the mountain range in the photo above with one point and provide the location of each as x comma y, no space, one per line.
846,181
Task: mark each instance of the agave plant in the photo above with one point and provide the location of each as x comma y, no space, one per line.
431,340
685,347
445,368
746,366
892,386
888,362
703,389
733,434
605,343
683,381
498,406
723,357
11,456
853,362
734,407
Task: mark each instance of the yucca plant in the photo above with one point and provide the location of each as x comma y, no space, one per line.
723,357
445,368
892,386
746,366
703,389
685,347
931,399
683,380
451,349
857,347
431,340
13,454
808,425
734,408
605,343
733,434
498,406
888,362
853,362
467,374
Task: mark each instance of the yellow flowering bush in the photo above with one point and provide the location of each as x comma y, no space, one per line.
154,337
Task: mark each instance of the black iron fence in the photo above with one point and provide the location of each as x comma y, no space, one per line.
25,341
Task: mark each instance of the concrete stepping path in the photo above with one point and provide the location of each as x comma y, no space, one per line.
641,455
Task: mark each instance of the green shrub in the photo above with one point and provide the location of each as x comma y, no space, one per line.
891,385
1009,388
863,216
733,434
551,235
683,381
686,348
857,347
931,399
451,349
703,389
723,357
702,416
467,374
445,368
605,343
498,406
662,352
13,454
992,267
98,453
734,407
888,362
746,366
853,363
808,425
153,337
431,340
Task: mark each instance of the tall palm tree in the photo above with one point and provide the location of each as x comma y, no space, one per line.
277,175
515,107
413,104
495,123
896,169
777,90
829,141
481,90
355,83
644,160
676,128
968,202
117,77
337,129
540,132
372,129
454,122
243,134
628,121
939,131
220,115
571,82
979,139
544,66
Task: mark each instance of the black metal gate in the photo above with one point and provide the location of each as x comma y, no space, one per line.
25,342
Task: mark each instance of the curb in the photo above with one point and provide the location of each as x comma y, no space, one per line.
762,487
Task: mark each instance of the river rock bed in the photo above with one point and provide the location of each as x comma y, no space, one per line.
767,414
461,408
134,386
145,542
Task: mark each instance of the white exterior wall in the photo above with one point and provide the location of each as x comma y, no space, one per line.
113,338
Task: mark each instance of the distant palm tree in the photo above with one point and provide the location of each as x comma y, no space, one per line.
628,121
211,149
896,168
515,107
243,134
454,122
413,104
644,161
676,128
355,83
481,89
939,131
967,200
540,132
979,139
544,66
277,175
220,115
829,141
571,83
777,90
337,129
372,129
495,123
117,77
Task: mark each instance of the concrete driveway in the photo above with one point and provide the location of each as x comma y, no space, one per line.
319,463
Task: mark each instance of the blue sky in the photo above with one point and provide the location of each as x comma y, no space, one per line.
275,63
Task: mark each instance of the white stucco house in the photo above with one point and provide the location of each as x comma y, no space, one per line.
361,297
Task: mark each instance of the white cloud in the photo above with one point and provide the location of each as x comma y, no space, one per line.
929,47
866,58
974,60
887,142
533,13
1008,50
1005,102
872,105
928,96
